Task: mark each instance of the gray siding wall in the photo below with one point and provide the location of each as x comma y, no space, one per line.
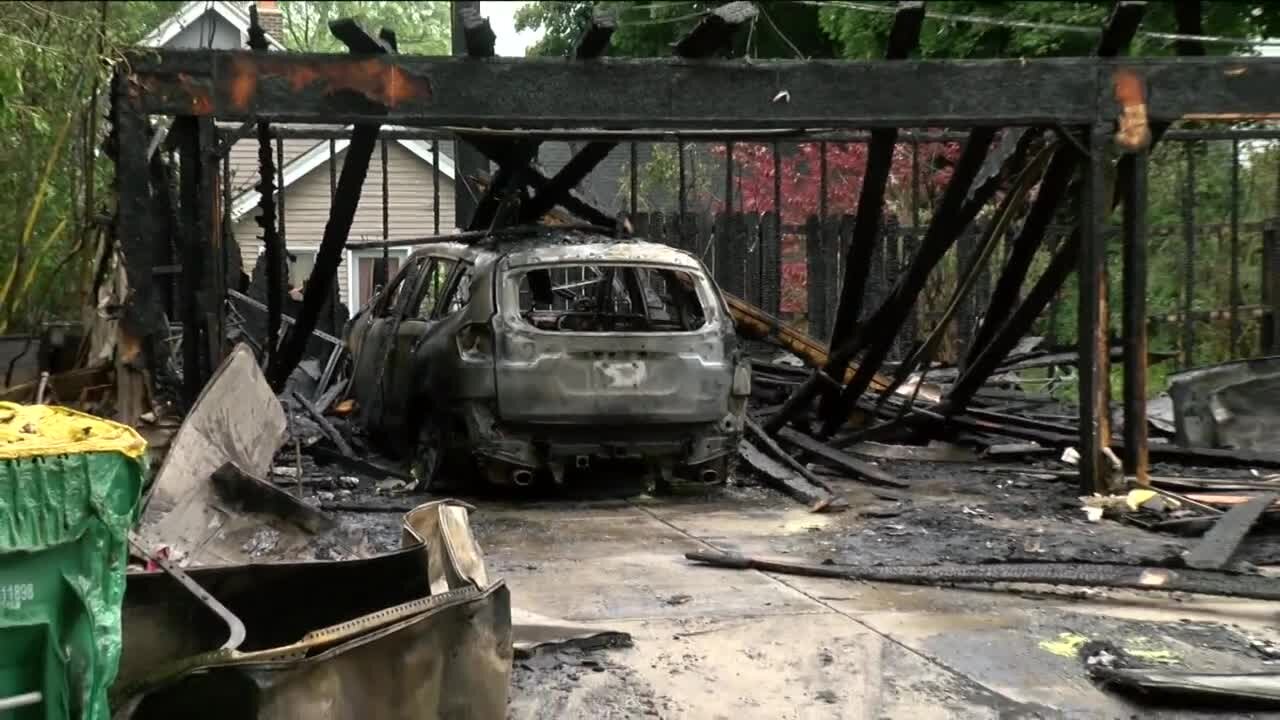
243,160
409,196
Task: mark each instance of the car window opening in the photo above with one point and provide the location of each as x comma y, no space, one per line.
610,298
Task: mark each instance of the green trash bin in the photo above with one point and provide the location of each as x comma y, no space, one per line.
69,490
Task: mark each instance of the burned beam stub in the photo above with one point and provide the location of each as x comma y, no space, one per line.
1092,315
476,31
595,39
714,34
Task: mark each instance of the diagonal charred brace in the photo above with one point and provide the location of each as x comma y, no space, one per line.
953,216
347,198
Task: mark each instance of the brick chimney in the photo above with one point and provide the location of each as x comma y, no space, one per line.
271,19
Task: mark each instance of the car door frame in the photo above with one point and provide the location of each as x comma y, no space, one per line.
371,356
404,366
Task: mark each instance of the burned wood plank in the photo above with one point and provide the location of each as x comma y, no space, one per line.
782,478
326,427
903,38
1135,577
253,494
1222,540
840,460
772,446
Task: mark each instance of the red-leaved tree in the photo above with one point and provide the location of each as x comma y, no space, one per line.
802,191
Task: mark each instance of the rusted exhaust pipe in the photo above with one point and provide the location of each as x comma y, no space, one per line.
523,478
709,476
582,462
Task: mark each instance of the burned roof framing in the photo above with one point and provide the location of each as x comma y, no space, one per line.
1093,108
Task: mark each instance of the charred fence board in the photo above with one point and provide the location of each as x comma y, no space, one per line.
1270,340
771,264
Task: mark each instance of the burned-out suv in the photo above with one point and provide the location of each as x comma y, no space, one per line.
527,357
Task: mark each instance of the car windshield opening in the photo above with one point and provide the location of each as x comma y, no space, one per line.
609,298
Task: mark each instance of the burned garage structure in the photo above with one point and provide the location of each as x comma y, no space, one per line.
535,353
509,329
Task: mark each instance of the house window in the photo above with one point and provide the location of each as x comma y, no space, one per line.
362,279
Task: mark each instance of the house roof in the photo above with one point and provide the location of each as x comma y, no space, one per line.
191,12
308,161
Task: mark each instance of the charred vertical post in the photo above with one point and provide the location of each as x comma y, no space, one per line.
385,270
272,242
633,189
280,212
903,38
1189,256
195,206
469,39
435,185
1135,318
1234,291
1093,335
683,196
1270,340
341,214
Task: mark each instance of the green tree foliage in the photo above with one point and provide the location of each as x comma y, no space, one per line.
649,29
421,27
55,63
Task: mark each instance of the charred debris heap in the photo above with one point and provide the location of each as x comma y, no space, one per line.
1027,158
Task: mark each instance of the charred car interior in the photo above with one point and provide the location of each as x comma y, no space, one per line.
519,359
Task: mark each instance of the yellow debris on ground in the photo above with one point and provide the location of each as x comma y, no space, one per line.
1068,645
42,430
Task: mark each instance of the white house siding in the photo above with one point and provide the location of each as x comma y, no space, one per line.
211,31
307,209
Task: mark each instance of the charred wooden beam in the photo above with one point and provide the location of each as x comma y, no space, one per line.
891,313
903,38
514,158
553,193
622,94
877,335
1025,246
342,212
595,39
495,206
1046,288
714,34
